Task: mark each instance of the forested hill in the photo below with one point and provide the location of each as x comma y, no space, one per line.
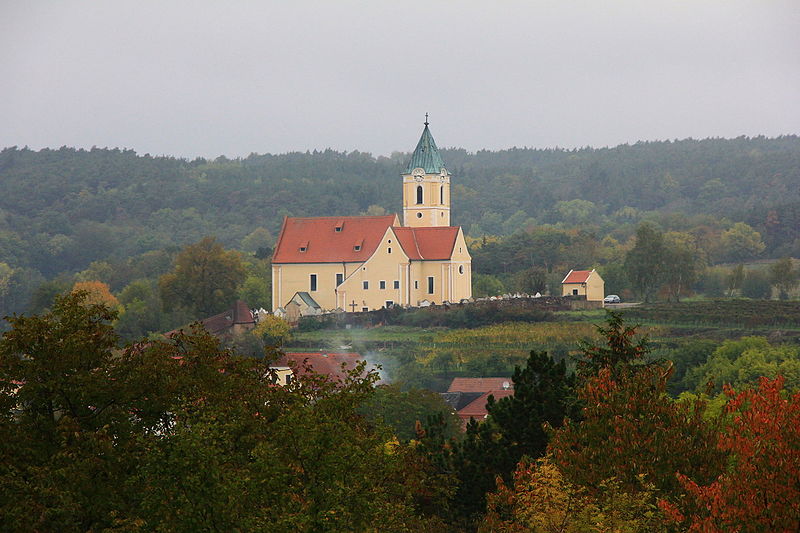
62,209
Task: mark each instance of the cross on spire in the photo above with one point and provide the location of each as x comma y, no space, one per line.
426,119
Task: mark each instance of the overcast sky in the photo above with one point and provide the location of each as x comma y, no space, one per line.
231,77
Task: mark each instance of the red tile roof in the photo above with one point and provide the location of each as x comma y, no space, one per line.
577,276
324,244
477,409
479,384
330,364
427,243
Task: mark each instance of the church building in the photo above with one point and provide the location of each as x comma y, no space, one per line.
367,262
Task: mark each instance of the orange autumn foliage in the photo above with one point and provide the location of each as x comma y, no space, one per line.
97,292
761,490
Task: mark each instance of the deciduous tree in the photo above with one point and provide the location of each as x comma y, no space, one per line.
97,292
205,278
532,280
783,276
735,279
258,238
741,362
272,330
182,435
486,285
542,500
756,285
740,243
63,421
403,411
644,262
761,489
682,263
630,426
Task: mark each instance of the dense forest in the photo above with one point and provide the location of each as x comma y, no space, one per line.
115,216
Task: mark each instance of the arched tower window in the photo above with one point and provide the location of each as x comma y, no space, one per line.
441,194
419,194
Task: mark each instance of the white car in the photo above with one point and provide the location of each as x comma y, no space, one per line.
611,299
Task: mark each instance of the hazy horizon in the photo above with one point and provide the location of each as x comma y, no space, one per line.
389,155
188,79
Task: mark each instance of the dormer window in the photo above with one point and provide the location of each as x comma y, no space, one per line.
357,247
338,227
304,246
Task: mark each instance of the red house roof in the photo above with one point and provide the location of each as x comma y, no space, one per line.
333,365
330,239
480,384
577,276
427,243
477,409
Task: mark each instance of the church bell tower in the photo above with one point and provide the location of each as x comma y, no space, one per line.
426,186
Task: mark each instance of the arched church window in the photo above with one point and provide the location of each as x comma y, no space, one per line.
419,194
441,194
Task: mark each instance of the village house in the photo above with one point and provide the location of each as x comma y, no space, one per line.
362,263
469,396
333,365
586,283
301,304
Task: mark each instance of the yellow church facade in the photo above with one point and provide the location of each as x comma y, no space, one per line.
368,262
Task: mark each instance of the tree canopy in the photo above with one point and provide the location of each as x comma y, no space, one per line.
205,279
182,435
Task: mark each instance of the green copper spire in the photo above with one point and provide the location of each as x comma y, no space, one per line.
426,155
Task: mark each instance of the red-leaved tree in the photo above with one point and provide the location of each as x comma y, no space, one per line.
632,427
761,490
629,425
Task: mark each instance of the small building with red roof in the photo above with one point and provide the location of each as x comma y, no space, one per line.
364,263
333,365
586,283
469,396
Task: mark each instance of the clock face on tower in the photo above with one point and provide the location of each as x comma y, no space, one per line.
418,174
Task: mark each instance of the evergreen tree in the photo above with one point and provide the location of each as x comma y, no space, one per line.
543,395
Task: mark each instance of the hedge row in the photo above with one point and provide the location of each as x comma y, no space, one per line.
726,313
